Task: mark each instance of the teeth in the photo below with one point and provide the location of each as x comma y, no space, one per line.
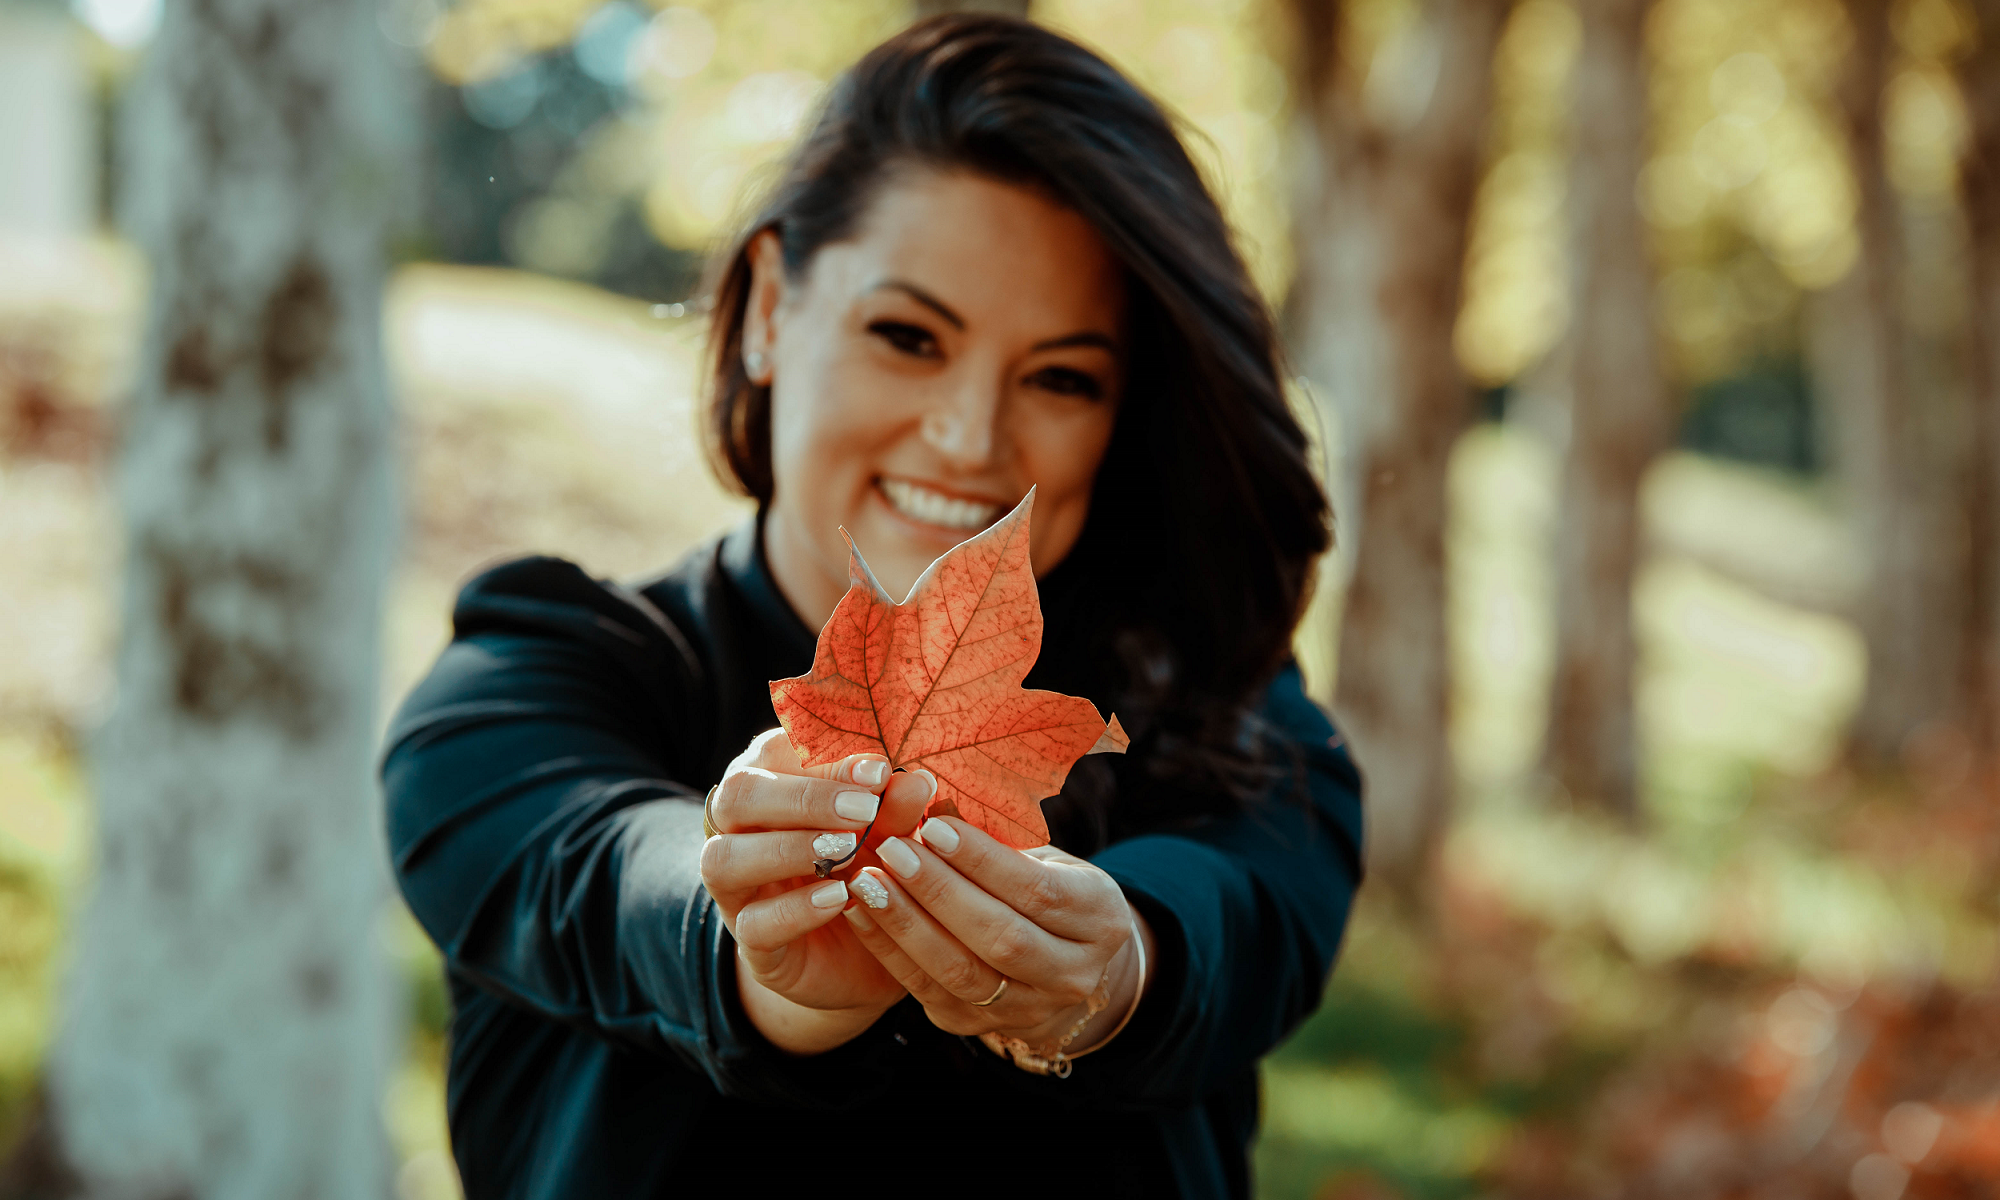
935,508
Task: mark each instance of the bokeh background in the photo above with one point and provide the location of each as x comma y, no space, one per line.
1747,950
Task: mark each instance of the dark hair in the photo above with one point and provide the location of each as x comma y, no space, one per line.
1196,561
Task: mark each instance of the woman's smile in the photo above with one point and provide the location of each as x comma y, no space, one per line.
931,507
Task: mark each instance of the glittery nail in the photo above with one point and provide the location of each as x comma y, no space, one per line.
833,845
871,891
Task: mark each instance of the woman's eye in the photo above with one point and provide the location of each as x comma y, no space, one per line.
1067,382
910,339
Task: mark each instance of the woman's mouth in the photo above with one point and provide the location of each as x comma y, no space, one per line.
931,507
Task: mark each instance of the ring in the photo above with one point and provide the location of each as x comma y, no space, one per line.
997,993
708,829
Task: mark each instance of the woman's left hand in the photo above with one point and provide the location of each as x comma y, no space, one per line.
963,912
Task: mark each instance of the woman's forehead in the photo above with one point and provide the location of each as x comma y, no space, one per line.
985,250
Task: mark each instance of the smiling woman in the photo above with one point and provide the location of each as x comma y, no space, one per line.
989,268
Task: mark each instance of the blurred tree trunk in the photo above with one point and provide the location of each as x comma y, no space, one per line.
1979,175
931,8
1618,418
1892,482
229,1016
1394,156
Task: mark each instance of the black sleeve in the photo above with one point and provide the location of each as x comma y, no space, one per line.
1248,912
538,834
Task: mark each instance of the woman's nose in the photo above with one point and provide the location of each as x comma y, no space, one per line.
962,428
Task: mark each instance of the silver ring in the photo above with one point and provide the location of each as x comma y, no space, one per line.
997,993
708,829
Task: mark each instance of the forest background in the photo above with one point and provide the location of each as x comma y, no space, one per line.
1653,346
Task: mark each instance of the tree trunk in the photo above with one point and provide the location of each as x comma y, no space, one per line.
1381,221
931,8
1618,418
1891,479
1979,175
229,1017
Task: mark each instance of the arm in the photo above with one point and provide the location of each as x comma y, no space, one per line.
1240,919
1247,915
540,841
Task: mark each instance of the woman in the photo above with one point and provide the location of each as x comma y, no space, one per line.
989,267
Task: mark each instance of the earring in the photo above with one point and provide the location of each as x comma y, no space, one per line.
754,362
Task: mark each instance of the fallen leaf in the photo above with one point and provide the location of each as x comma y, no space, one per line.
935,682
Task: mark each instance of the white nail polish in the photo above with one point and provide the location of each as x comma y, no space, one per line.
939,836
872,773
829,895
835,846
857,806
901,859
930,779
870,889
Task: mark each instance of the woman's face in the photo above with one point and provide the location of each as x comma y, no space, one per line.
964,345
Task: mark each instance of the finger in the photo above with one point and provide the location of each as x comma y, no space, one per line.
945,1010
763,928
735,864
936,966
1066,896
1002,938
755,798
773,751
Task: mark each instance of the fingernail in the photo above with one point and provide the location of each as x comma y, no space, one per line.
857,806
830,895
872,773
939,836
858,917
835,846
870,889
928,778
901,859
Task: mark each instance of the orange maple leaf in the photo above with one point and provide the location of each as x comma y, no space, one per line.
935,682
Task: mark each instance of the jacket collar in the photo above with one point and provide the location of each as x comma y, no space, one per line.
743,562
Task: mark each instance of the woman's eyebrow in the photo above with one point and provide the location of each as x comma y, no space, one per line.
922,297
1087,337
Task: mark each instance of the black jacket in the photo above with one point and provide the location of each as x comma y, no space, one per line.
544,788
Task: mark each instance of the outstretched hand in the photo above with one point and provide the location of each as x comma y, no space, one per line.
805,979
955,914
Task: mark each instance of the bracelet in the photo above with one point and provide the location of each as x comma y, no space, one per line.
1058,1064
1138,994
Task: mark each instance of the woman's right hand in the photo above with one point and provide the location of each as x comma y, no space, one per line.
807,982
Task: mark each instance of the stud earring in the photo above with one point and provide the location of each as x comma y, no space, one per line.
755,362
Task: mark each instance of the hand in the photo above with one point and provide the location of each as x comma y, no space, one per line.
774,817
960,911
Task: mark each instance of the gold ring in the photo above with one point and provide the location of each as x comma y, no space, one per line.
997,993
708,829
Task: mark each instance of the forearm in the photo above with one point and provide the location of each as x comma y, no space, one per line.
794,1028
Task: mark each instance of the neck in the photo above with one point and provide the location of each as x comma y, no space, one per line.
798,574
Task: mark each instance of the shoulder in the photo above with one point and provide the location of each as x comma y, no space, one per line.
539,627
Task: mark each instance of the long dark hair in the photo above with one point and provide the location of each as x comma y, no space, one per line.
1180,596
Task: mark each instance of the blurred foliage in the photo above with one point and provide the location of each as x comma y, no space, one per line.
1792,971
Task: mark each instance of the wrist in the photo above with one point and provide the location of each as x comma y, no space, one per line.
798,1029
1127,990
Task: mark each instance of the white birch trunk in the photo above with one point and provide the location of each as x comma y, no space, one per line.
1618,420
229,1018
1382,223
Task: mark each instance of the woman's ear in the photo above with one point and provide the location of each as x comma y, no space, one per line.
761,314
